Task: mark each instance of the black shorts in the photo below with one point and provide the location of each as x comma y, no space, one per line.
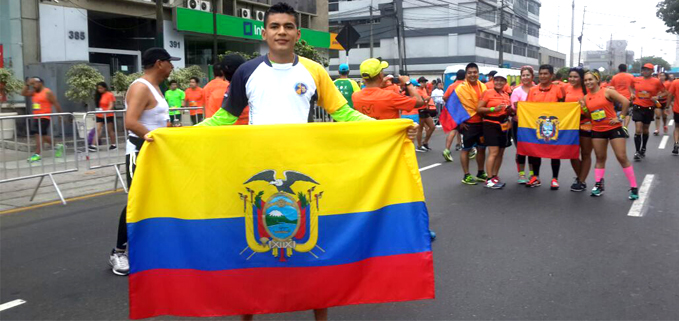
197,118
643,114
40,126
676,119
108,120
472,136
494,136
433,113
585,133
131,159
424,113
663,105
610,134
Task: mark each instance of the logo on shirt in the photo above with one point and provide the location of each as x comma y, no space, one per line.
300,88
548,128
278,219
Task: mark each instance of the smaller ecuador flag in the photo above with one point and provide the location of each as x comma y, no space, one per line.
549,130
454,114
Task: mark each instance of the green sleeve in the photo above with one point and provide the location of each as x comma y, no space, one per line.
346,113
220,118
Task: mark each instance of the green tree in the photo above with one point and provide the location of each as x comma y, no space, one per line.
302,48
562,73
9,84
636,67
183,75
668,11
120,81
82,82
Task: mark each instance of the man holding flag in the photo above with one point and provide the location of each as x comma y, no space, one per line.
462,109
444,119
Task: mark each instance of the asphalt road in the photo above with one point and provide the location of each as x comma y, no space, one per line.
515,253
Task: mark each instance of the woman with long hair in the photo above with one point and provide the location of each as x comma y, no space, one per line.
520,94
607,127
104,100
575,91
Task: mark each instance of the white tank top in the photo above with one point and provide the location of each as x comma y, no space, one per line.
153,118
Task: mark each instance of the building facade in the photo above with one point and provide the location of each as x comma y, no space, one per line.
616,53
551,57
438,33
116,32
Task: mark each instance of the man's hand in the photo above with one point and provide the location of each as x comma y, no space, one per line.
462,126
148,138
412,131
404,79
632,97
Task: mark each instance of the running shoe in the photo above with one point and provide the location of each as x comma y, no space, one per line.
626,131
59,150
420,150
92,148
34,158
598,189
426,146
458,147
120,265
522,179
496,183
489,184
642,152
447,155
675,151
533,182
112,147
634,193
472,153
469,179
664,130
554,185
637,156
655,132
482,177
432,235
577,186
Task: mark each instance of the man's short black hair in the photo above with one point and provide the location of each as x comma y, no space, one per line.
622,68
549,68
471,65
217,70
460,75
173,82
196,79
281,7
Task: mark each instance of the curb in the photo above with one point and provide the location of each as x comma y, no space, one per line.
77,198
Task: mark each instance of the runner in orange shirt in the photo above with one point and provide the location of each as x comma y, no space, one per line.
575,91
660,107
228,65
104,100
674,100
194,97
220,83
646,91
459,78
622,82
494,104
546,91
42,100
427,114
380,103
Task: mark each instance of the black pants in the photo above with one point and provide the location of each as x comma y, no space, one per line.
537,162
131,165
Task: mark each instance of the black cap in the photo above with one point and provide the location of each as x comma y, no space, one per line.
422,79
492,73
230,63
152,55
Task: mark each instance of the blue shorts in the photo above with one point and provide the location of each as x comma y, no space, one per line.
415,118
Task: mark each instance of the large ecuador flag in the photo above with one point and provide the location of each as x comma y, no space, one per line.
454,113
268,219
549,130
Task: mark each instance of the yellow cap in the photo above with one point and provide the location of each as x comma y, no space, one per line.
372,67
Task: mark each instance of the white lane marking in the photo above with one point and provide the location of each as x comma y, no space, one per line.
429,167
11,304
638,205
663,142
671,123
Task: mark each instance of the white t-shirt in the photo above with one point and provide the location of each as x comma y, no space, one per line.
437,96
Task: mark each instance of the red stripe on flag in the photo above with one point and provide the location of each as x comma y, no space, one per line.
195,293
549,151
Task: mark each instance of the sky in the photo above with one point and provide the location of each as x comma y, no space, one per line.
603,18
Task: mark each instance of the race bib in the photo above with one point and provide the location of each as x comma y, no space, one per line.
36,106
644,94
504,126
192,104
599,115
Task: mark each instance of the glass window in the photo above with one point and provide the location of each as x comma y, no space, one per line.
533,52
485,11
533,30
485,40
520,49
507,46
533,8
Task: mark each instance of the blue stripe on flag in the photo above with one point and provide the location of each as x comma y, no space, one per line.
566,137
456,110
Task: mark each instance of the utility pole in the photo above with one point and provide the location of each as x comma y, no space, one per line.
398,6
572,33
214,31
612,53
159,24
581,34
371,29
502,36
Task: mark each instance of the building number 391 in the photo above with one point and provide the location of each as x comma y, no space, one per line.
77,35
175,44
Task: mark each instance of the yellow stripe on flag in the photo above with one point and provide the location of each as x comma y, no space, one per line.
198,172
568,114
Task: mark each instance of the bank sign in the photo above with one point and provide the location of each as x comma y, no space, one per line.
196,21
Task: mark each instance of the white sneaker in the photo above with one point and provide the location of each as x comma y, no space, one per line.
120,265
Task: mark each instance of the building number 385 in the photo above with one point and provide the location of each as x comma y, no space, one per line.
77,35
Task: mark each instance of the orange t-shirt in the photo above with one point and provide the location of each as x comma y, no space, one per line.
552,94
645,90
621,82
216,97
423,92
602,111
450,89
494,99
667,84
195,98
395,88
104,103
674,90
477,118
381,103
573,94
41,105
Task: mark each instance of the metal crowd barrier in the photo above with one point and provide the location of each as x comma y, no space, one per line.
320,115
17,148
94,136
187,110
